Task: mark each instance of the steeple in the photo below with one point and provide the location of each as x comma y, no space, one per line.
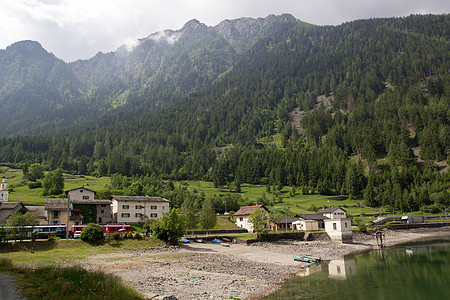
4,191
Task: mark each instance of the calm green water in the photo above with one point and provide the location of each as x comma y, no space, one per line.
407,272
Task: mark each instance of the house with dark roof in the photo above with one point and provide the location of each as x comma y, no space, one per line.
284,224
137,209
91,210
333,212
244,213
9,208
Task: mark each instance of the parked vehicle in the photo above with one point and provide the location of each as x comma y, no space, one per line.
77,234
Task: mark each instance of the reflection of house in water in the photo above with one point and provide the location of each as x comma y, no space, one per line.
342,268
311,269
416,249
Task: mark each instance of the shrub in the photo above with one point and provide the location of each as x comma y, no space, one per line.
93,233
137,236
34,185
117,236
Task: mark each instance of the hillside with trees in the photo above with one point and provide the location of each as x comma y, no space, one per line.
382,135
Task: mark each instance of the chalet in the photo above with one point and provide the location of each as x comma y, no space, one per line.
38,211
137,209
333,212
244,213
284,224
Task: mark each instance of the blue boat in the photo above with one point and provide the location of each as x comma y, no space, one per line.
183,240
216,241
308,259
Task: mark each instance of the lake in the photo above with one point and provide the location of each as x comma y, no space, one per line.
415,271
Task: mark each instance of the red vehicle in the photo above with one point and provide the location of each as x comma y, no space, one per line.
110,228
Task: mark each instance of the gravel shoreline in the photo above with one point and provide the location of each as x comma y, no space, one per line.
211,271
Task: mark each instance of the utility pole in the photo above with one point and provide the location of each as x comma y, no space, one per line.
285,215
424,217
68,217
362,216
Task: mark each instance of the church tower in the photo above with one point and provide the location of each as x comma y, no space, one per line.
4,191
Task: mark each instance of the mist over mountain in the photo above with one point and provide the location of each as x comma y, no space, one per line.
52,95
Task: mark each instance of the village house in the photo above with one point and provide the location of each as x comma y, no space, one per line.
137,209
319,218
9,208
333,212
244,213
284,224
90,209
56,213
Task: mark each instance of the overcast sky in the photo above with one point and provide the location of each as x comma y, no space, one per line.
78,29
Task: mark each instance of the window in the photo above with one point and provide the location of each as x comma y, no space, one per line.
139,207
56,213
103,205
102,211
138,215
153,215
55,223
345,224
85,197
153,207
125,206
241,219
334,226
125,215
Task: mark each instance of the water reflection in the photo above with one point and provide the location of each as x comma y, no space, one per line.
342,268
407,272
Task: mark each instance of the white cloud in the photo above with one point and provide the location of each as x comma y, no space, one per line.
74,29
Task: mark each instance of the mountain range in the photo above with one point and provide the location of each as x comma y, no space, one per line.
40,93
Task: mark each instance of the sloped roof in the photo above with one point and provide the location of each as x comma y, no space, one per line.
329,210
248,210
96,201
53,204
8,208
80,188
289,220
37,210
315,217
138,198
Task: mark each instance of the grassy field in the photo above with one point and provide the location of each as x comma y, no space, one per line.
23,193
59,252
296,204
52,282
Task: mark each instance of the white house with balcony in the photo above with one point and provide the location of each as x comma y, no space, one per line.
137,209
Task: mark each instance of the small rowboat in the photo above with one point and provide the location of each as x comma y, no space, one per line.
308,259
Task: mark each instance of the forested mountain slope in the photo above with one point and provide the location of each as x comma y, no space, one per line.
52,95
388,87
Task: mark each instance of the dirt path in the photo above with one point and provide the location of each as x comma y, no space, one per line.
8,290
211,271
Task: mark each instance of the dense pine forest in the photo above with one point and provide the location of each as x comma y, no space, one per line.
360,109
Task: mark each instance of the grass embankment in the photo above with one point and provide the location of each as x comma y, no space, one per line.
67,252
66,283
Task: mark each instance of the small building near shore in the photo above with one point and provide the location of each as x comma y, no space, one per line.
306,225
319,218
284,224
339,230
